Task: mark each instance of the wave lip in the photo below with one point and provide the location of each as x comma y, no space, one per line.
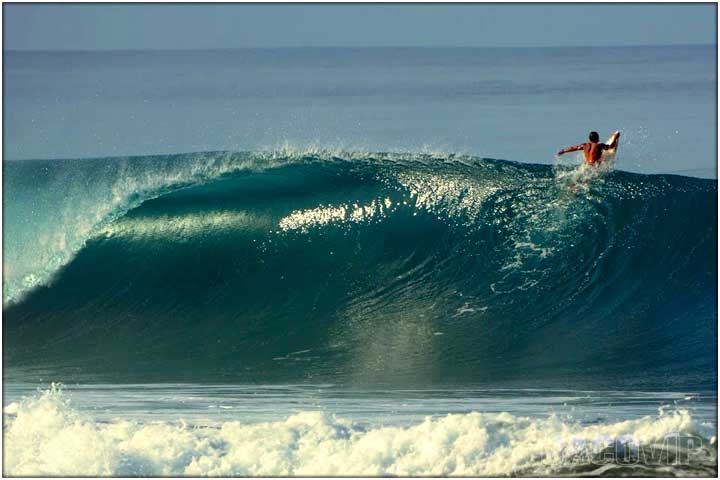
45,437
82,196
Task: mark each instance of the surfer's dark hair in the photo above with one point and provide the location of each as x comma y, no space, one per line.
594,137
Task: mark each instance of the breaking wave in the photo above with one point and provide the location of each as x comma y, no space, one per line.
358,268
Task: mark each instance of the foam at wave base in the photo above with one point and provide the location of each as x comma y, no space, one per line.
45,436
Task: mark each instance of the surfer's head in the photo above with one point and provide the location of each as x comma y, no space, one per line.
594,137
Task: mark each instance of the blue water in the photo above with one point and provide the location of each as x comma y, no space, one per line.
359,262
512,103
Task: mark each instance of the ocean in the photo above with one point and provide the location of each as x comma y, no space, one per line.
359,262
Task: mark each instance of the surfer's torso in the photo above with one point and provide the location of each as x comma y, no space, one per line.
593,152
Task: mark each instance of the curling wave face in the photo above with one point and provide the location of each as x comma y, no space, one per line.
358,268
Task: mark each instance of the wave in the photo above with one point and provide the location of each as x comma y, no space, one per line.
45,436
359,268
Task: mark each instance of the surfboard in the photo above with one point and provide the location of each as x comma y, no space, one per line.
609,155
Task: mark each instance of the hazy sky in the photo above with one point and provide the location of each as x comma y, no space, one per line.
159,26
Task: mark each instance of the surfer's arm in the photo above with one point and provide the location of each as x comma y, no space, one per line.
572,149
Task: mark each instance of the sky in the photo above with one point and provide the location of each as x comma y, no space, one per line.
200,26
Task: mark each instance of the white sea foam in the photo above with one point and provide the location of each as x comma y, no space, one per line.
582,174
45,436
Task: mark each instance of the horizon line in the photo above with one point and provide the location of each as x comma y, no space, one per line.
350,47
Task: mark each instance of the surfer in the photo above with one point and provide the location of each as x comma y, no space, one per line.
593,149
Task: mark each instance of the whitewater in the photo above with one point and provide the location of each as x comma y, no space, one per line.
45,435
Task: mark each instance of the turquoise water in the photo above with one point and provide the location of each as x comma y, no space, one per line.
373,269
312,262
